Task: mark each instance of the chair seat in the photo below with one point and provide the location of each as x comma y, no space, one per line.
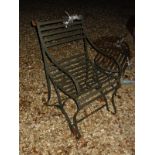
89,88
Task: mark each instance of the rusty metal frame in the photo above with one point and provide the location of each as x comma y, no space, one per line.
112,78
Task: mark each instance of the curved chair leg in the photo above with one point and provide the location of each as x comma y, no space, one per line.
75,126
72,123
66,116
61,107
113,101
49,95
49,91
106,101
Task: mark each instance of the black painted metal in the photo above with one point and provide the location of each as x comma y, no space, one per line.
78,77
115,47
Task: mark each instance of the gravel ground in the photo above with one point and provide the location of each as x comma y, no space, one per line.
43,130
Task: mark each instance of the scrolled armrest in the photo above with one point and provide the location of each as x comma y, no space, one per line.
105,55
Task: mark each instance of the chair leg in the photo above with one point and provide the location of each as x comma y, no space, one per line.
49,91
76,130
113,102
73,126
49,96
106,101
107,106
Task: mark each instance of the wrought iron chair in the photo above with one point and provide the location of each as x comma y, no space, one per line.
76,75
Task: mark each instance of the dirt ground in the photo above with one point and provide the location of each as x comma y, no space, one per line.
43,130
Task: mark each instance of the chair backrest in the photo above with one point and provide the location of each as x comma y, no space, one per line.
54,33
54,36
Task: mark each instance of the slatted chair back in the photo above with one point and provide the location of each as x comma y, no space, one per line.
54,33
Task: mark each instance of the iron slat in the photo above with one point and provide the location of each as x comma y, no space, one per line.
60,31
63,35
67,40
58,73
66,61
89,96
88,102
71,63
95,91
82,77
106,90
43,23
91,83
60,77
71,59
55,71
75,72
118,59
111,64
71,89
113,52
81,80
97,95
51,27
57,26
75,66
124,63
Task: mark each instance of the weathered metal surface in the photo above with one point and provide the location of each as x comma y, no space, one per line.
77,76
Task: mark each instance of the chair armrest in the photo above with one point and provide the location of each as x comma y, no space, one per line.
105,55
